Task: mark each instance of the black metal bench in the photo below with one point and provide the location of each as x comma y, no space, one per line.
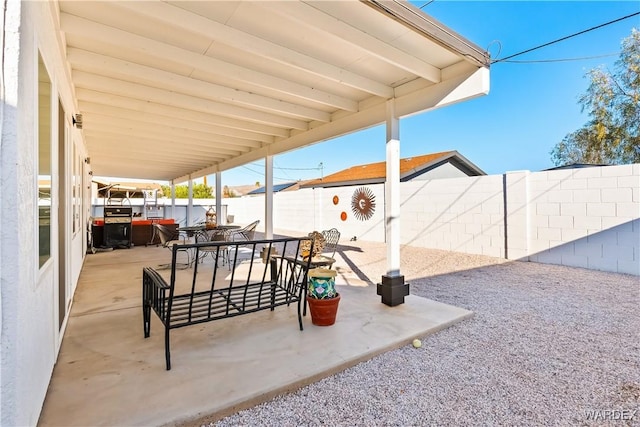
201,295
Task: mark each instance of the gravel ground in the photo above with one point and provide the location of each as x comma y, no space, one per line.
547,345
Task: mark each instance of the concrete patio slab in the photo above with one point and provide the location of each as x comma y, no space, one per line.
109,374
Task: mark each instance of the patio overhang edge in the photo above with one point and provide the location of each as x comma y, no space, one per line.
412,17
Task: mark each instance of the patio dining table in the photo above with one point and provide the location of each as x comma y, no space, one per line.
204,234
224,230
191,230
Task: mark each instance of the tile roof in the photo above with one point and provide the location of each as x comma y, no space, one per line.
376,172
575,166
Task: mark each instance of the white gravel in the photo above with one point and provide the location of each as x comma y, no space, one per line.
547,345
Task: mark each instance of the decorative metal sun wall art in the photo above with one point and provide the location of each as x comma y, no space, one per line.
363,203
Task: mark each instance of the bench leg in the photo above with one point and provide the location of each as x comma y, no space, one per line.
167,354
146,316
300,314
146,306
273,297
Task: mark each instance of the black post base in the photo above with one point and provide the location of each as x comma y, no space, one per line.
393,290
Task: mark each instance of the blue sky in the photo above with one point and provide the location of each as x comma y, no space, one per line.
531,106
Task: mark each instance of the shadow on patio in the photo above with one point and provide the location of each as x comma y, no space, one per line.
108,374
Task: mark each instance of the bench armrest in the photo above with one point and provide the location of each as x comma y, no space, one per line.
154,278
154,292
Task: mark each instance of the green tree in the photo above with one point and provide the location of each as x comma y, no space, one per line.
613,103
200,191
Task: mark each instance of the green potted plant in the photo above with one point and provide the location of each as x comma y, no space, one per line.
322,297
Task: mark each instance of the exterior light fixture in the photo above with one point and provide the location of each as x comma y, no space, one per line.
77,121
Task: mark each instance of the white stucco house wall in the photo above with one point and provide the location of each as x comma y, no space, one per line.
41,227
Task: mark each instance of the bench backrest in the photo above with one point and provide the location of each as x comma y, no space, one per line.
205,291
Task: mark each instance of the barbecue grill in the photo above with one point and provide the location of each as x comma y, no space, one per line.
117,226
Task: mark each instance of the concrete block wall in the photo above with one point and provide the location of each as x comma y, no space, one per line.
457,214
372,229
587,218
310,209
247,209
582,217
516,199
295,210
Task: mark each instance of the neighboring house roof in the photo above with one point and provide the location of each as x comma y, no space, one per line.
410,167
238,190
276,188
574,166
290,186
121,189
129,185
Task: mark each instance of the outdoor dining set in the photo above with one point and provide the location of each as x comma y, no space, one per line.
204,232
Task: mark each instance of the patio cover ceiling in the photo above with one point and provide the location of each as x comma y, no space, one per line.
175,89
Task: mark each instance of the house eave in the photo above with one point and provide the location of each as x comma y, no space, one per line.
412,17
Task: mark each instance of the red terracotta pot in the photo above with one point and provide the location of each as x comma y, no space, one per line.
323,311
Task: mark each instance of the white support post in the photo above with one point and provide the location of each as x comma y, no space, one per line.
173,200
219,218
392,289
318,223
392,192
190,205
268,197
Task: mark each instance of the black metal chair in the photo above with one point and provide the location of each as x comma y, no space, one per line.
331,238
218,251
242,234
169,237
246,233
